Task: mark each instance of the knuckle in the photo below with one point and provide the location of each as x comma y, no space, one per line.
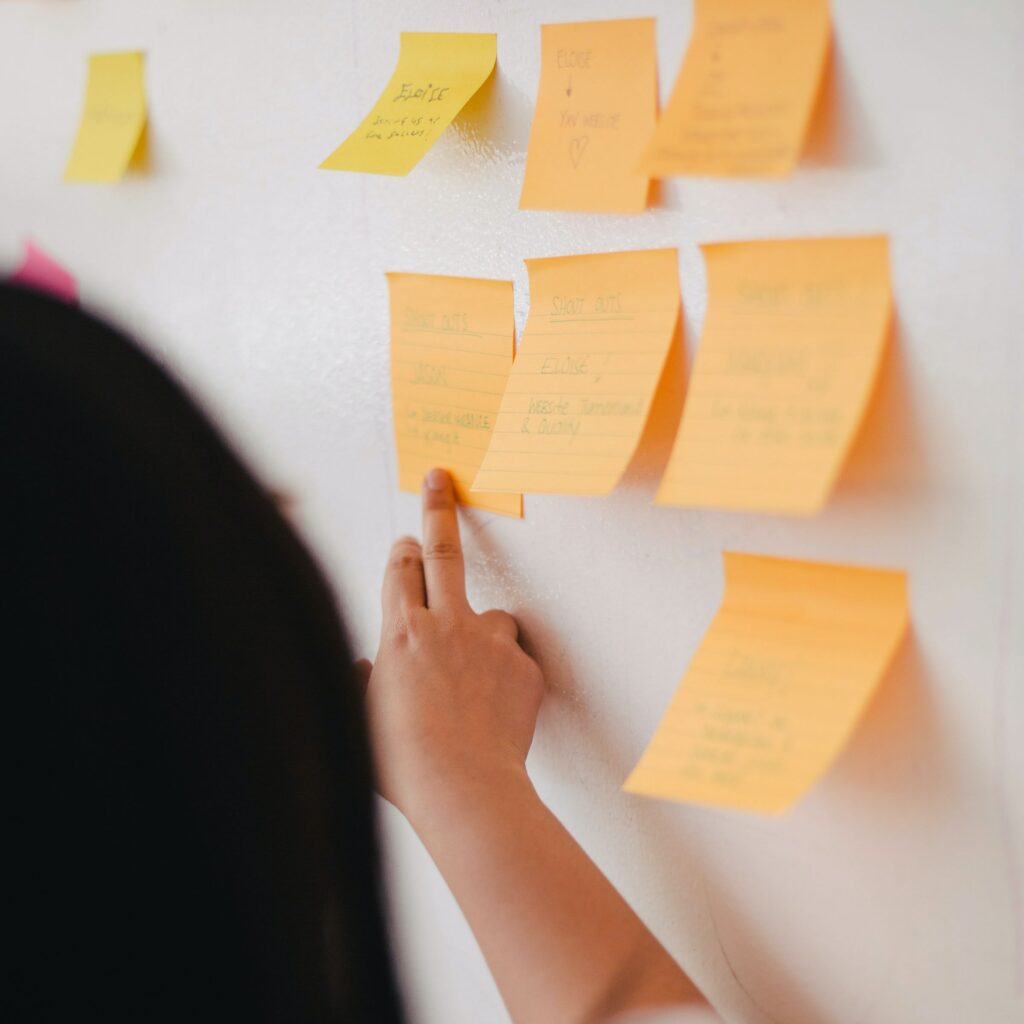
403,560
443,551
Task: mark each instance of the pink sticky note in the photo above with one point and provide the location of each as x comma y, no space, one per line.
45,274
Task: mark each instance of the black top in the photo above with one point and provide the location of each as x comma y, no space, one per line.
189,800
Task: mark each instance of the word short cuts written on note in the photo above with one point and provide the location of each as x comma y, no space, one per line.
778,683
452,343
111,130
595,342
596,108
788,358
743,100
437,73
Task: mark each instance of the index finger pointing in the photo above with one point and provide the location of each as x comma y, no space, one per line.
443,568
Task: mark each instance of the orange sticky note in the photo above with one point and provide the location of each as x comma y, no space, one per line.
595,342
743,99
113,118
791,346
452,343
777,685
596,108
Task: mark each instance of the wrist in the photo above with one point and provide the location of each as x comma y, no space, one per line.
454,800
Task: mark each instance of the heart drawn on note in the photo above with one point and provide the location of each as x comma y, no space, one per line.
576,148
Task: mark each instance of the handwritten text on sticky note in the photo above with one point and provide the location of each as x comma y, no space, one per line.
452,341
792,341
113,118
744,96
595,112
437,73
777,684
599,329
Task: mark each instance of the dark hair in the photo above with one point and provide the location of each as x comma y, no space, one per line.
190,807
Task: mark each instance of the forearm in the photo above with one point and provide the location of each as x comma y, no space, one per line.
563,945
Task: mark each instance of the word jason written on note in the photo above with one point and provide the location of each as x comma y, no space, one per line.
40,271
596,338
452,344
436,75
788,358
113,121
745,93
777,685
596,109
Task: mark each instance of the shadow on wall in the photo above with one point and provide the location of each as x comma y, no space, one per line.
651,456
892,778
496,118
888,451
838,134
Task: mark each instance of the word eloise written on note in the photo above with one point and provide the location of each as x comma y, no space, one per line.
596,108
436,75
777,685
788,357
452,343
595,342
112,126
744,96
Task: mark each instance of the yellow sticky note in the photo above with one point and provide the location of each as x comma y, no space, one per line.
452,343
743,99
595,342
596,108
792,342
437,73
777,685
113,118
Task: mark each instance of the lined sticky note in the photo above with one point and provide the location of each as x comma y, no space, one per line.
452,343
777,685
744,96
113,118
595,342
42,272
596,109
436,75
792,342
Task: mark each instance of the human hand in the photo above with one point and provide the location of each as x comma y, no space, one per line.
452,698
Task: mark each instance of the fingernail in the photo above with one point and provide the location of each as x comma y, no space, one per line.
436,480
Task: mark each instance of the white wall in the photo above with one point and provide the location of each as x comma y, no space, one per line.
889,894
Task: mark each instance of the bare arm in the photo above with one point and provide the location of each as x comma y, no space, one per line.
453,703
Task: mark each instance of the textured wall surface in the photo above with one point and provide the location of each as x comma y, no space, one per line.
891,893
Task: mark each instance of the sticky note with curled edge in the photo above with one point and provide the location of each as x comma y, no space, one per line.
42,272
113,118
596,109
436,75
744,96
788,358
599,329
452,343
777,685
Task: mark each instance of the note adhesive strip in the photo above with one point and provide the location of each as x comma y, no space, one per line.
436,75
596,108
113,118
788,358
777,685
452,342
588,364
744,96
